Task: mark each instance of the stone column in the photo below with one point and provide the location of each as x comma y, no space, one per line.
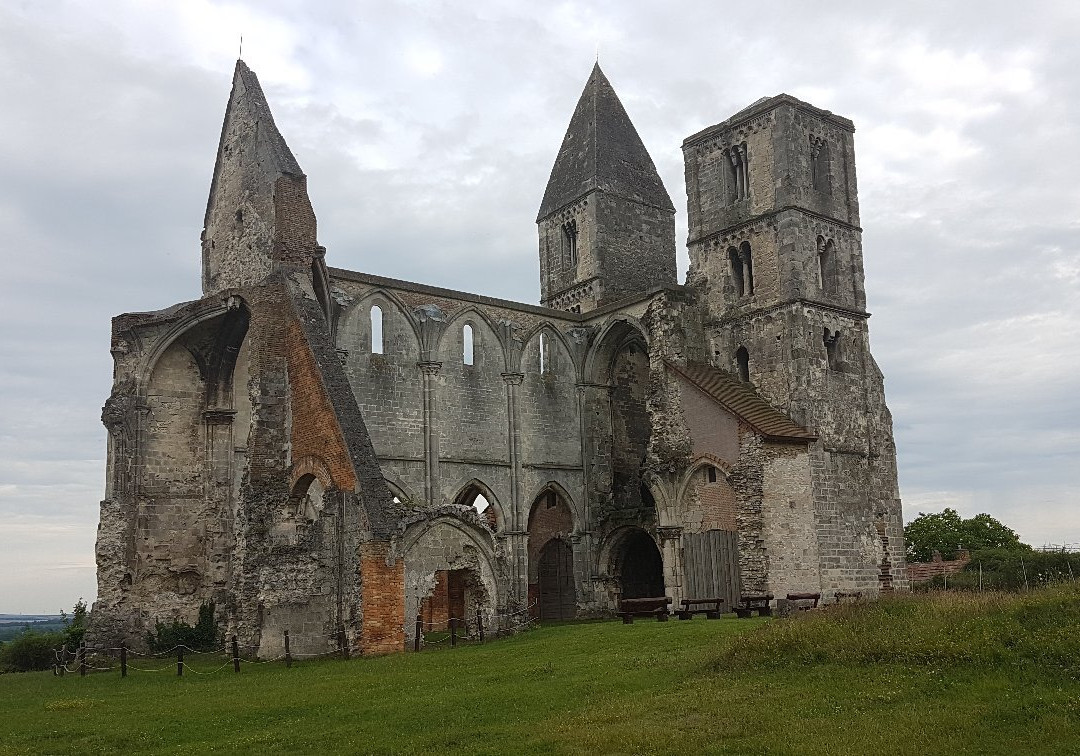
518,523
671,551
431,437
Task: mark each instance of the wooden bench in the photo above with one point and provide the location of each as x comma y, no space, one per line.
847,597
656,606
710,607
804,601
754,603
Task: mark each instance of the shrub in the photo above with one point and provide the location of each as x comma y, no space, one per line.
30,651
203,637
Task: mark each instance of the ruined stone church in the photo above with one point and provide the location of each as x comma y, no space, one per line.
334,453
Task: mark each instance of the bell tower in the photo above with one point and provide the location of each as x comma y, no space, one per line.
776,252
606,223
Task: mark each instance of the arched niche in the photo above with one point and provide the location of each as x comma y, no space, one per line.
552,583
633,560
387,384
471,399
443,553
548,401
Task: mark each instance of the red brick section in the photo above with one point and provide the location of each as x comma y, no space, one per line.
382,629
446,600
919,572
315,431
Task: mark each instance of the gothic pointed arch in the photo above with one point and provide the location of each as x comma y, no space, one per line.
493,514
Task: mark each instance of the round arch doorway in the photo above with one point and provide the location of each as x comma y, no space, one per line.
639,566
555,570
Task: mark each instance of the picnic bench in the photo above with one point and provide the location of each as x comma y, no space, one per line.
804,601
748,604
656,606
710,607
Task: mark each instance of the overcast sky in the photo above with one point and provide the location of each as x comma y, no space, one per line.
427,131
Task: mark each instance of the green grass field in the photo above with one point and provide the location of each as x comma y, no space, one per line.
727,686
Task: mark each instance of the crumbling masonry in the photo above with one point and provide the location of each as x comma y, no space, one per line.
333,452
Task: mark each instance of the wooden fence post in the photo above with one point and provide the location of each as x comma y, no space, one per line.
123,659
288,654
63,659
179,661
82,659
453,632
479,624
419,633
343,643
235,655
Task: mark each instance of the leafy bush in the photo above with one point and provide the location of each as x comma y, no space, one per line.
30,651
203,637
36,650
1033,629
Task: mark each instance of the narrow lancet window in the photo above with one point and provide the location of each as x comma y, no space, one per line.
747,266
826,265
739,175
376,330
570,233
467,344
742,360
820,164
833,354
543,364
737,278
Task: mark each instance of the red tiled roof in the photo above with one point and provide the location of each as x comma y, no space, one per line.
742,400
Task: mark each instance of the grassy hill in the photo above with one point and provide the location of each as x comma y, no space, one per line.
914,674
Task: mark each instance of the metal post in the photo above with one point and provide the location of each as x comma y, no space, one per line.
288,654
419,633
123,659
453,632
235,655
343,643
82,660
63,659
179,661
479,625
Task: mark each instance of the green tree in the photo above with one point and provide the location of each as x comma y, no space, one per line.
948,532
75,625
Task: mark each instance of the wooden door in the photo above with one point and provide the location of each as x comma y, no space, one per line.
556,577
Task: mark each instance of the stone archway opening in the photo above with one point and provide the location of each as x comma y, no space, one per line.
638,565
552,586
455,594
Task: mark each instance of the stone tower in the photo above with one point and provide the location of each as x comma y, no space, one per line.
776,248
258,215
606,224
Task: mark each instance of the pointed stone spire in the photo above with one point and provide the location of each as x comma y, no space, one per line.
606,224
258,213
602,150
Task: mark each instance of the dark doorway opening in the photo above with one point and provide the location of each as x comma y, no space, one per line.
641,568
556,578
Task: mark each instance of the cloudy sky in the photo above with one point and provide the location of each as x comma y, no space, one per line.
427,130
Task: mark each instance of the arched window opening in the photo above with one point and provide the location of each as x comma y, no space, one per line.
467,344
738,173
542,351
737,272
376,330
742,359
570,235
826,265
820,164
833,352
748,266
